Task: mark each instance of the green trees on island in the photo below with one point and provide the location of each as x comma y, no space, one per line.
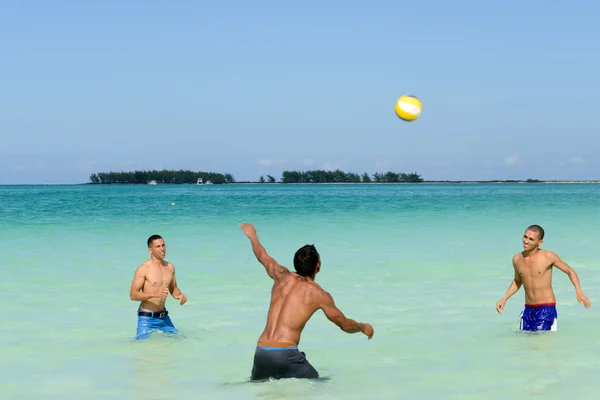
192,177
160,176
270,179
338,176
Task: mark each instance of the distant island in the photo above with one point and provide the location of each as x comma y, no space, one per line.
160,176
338,176
199,177
155,177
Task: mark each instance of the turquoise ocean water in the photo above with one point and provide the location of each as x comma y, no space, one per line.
424,264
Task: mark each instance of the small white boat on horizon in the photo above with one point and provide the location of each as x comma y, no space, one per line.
153,182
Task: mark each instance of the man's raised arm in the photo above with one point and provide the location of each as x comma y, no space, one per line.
275,271
336,316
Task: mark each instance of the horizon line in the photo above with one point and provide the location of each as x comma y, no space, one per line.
529,180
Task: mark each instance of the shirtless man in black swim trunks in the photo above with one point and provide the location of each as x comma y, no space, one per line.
294,299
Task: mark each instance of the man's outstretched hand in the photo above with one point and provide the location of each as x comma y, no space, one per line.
248,229
500,306
182,299
368,330
582,298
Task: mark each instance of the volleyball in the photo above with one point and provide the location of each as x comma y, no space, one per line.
408,107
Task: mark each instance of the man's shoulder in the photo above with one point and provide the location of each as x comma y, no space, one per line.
142,268
548,255
286,277
317,292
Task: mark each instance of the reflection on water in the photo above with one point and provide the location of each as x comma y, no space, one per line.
540,354
292,389
276,389
153,362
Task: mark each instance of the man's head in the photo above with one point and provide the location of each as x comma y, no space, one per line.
307,261
157,246
533,237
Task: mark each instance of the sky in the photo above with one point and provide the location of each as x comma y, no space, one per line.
509,89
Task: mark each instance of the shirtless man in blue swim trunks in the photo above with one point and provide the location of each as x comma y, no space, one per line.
152,283
533,270
295,297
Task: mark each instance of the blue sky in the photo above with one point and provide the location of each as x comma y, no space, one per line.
509,89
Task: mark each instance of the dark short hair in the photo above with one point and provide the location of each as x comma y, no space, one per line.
306,260
152,239
537,229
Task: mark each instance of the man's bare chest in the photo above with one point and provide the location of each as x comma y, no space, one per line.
533,268
159,277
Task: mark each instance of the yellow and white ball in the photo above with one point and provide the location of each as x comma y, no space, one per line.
408,107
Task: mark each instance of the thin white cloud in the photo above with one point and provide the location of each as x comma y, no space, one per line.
331,165
272,161
511,159
435,164
19,168
85,166
308,161
576,160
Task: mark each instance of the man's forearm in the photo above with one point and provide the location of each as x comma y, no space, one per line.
141,296
575,280
257,248
351,326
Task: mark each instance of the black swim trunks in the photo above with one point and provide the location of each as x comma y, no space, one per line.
276,363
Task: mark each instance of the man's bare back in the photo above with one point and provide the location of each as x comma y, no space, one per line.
291,307
294,299
533,270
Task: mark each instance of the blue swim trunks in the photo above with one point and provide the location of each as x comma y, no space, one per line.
149,322
539,317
